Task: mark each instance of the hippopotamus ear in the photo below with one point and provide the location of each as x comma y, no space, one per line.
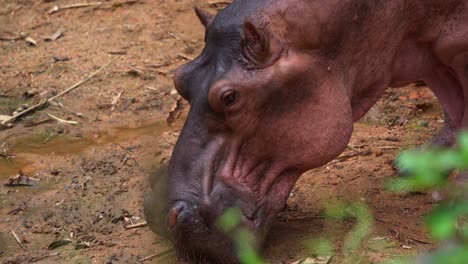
258,46
204,16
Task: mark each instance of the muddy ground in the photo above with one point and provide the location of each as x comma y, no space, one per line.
92,176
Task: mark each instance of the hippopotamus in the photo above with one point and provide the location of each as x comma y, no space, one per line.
275,92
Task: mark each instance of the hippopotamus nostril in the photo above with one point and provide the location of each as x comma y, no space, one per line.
176,215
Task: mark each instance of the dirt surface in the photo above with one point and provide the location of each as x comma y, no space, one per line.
92,176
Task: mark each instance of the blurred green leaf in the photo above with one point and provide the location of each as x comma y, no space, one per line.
463,146
319,247
336,210
230,219
442,223
230,223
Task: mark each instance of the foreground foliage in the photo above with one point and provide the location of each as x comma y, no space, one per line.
424,170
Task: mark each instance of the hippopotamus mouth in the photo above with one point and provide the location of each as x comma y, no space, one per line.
189,218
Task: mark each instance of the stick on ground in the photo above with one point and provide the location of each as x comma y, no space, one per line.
44,102
156,255
17,238
142,224
62,7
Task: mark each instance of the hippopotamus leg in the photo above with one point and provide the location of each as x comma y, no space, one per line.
445,73
461,68
449,92
452,50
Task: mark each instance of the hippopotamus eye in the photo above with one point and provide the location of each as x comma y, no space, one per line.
229,98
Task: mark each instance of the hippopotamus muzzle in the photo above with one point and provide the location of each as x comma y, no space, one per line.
190,218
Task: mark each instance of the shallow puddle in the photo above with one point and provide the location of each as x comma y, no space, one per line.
9,167
57,144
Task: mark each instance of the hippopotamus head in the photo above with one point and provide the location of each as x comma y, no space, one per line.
263,110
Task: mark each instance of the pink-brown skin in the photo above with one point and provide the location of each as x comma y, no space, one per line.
276,91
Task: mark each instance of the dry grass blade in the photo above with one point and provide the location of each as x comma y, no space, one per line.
63,121
46,101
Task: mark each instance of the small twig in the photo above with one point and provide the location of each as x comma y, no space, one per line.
73,87
32,108
17,239
173,35
183,56
128,2
38,122
347,157
142,224
46,101
136,70
155,66
388,148
155,255
5,154
12,38
58,8
421,241
118,52
151,88
44,257
115,100
215,3
60,120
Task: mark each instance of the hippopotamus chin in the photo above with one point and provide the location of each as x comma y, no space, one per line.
275,93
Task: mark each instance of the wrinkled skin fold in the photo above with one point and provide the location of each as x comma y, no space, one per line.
275,93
